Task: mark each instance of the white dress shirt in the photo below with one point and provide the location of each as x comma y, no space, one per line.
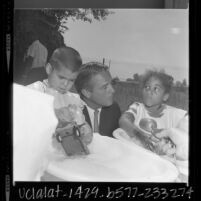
91,115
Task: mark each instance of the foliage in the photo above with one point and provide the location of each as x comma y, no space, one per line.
184,83
60,17
115,79
48,24
129,80
136,77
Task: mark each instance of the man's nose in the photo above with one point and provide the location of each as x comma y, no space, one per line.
111,89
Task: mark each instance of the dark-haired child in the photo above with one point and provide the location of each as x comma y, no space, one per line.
156,86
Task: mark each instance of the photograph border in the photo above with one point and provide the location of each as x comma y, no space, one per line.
12,191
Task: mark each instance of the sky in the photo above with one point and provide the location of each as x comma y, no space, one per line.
134,40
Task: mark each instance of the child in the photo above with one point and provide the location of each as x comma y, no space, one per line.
62,70
156,86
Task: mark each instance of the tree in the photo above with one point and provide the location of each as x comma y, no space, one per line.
50,23
115,80
178,84
129,80
136,77
184,83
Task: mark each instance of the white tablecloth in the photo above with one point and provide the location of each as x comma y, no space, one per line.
113,160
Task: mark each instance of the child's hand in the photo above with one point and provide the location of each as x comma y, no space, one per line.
86,133
148,137
165,147
65,126
63,114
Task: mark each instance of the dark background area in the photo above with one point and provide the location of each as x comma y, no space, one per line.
101,3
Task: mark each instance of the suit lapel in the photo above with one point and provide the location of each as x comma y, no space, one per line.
102,119
86,114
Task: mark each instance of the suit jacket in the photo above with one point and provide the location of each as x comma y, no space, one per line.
109,119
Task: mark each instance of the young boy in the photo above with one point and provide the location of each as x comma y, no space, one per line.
62,70
156,88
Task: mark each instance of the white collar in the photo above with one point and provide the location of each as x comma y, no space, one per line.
89,108
52,89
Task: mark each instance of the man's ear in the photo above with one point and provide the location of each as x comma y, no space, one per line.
165,97
86,93
48,68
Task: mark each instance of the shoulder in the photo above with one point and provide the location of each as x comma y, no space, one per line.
112,108
75,95
175,110
176,113
34,44
115,105
73,98
39,86
135,106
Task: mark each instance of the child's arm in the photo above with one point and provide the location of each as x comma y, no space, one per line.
126,122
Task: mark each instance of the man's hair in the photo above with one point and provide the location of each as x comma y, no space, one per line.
86,72
66,57
166,80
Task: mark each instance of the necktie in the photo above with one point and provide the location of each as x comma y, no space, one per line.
96,127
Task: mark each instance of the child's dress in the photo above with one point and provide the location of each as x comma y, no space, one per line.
60,100
68,108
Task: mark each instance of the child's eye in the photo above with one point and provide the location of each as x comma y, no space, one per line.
156,89
147,87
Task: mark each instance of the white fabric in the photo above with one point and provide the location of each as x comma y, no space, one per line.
33,125
113,160
60,100
182,166
183,130
169,119
39,53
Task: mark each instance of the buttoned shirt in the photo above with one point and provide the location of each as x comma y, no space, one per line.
91,115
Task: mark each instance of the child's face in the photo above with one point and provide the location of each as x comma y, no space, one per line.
153,92
61,79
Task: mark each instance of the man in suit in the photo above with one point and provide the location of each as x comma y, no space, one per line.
94,84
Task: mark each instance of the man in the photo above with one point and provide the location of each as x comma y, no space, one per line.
35,60
94,85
